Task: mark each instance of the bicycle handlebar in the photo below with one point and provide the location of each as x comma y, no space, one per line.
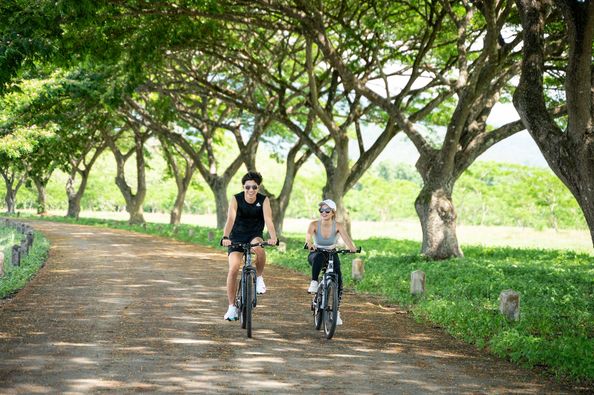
333,250
250,245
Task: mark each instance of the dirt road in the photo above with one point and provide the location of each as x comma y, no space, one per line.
118,312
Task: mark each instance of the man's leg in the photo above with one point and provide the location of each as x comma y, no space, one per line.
260,263
234,264
260,256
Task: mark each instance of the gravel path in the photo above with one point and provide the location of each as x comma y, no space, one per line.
120,312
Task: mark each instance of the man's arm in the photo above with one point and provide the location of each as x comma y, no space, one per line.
231,213
268,221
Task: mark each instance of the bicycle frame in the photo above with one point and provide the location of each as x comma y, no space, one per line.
246,297
327,276
324,309
245,270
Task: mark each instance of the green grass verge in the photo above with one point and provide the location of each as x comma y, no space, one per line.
556,329
16,278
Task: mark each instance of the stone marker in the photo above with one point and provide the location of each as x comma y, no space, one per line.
417,282
30,238
358,270
16,255
210,236
1,264
509,304
282,246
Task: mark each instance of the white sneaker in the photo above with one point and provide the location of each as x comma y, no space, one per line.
260,286
338,320
231,314
313,287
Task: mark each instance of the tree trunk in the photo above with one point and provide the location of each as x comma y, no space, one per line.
134,201
178,205
136,212
11,190
337,172
41,196
10,200
334,190
570,152
182,175
222,203
74,195
438,221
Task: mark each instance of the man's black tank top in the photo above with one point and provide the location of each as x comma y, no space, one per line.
249,220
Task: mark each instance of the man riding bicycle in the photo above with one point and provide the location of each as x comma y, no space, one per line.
248,212
324,233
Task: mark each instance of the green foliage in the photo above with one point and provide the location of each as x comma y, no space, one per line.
487,194
16,278
507,194
556,328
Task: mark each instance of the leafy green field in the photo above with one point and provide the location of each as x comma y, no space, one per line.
556,329
15,278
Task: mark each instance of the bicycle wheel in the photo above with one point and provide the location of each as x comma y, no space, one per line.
318,309
241,301
331,311
249,300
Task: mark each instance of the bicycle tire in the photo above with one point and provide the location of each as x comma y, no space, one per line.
318,311
249,301
331,310
241,304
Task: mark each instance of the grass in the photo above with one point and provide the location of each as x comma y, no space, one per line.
16,278
556,329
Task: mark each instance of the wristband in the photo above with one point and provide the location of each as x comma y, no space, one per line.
225,237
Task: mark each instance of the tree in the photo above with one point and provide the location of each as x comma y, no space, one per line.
201,122
41,163
182,168
568,149
13,148
452,64
124,146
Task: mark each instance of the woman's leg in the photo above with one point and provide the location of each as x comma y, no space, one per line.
316,260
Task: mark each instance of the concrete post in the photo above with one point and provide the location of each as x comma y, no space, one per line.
417,282
509,304
358,269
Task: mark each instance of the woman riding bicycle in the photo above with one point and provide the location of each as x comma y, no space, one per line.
248,212
324,233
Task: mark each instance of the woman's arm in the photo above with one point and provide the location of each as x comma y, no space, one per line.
309,235
345,236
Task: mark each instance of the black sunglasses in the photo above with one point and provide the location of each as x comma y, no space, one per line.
326,210
247,187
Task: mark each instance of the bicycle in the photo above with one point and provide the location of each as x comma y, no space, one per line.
246,298
325,301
